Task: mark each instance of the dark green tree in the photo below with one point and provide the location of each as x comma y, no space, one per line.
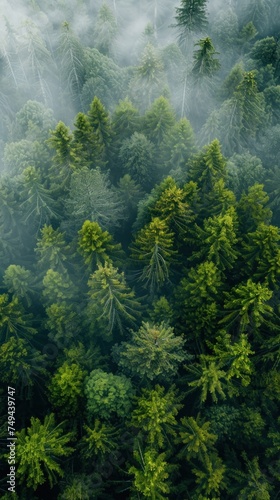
108,395
111,302
190,19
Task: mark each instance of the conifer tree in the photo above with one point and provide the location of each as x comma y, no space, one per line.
158,120
155,414
52,249
154,247
101,125
95,246
208,167
111,301
151,475
163,352
39,448
190,18
66,390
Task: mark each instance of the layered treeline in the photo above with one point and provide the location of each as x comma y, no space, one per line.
139,312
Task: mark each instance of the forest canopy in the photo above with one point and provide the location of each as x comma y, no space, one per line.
140,249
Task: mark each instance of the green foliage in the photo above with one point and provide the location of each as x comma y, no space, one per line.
253,208
155,414
39,448
21,364
64,158
66,389
205,64
95,245
19,282
137,156
196,436
153,246
208,167
108,395
57,287
100,440
105,30
190,18
92,198
150,478
209,378
159,120
153,353
248,307
111,301
210,476
14,321
52,249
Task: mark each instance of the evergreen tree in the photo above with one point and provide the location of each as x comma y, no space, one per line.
163,352
95,246
101,125
190,18
150,479
136,157
158,120
14,321
153,246
52,249
111,301
38,450
66,390
205,64
155,414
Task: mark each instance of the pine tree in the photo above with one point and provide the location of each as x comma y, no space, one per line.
153,246
111,301
208,167
101,125
64,160
205,64
163,352
14,321
95,246
66,390
159,120
151,475
155,414
248,307
197,437
108,395
52,249
136,156
38,450
190,18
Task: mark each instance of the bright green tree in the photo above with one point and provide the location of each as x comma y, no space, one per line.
95,246
99,440
246,307
39,448
198,296
57,287
210,477
151,475
261,252
153,353
218,239
66,390
197,437
208,377
64,159
85,147
155,414
208,166
253,208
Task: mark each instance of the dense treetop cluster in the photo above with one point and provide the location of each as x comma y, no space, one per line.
140,249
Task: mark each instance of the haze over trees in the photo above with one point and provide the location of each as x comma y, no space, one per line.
140,248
